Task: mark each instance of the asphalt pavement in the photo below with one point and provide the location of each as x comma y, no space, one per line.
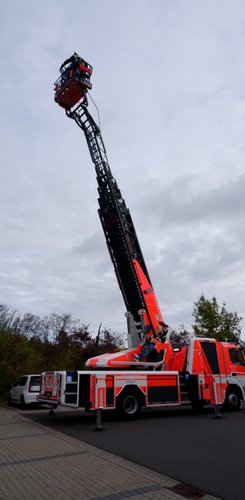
37,462
194,449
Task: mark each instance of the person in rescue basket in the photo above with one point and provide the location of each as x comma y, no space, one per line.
75,60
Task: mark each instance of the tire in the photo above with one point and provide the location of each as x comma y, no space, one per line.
232,399
10,400
129,404
22,403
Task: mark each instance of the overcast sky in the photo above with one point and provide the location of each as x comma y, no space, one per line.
169,80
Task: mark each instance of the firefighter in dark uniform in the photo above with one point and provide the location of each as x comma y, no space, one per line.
75,60
75,66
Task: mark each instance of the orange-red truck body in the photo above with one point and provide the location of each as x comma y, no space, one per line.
204,372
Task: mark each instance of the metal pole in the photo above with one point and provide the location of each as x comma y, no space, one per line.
51,411
216,400
98,421
217,411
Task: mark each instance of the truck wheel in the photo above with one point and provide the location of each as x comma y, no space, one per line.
129,404
232,399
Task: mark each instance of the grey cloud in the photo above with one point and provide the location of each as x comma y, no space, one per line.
181,203
171,99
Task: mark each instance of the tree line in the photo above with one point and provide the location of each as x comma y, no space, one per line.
30,344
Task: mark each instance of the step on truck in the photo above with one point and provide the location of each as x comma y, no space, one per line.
203,371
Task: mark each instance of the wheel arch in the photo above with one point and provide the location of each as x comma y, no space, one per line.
132,389
129,401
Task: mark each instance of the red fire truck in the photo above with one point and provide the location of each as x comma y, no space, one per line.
203,372
200,372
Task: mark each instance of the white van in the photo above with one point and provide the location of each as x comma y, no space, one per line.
25,390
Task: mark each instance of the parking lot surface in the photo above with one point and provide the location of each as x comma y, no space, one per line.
38,462
193,448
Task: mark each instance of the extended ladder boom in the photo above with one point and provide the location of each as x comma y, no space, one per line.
120,234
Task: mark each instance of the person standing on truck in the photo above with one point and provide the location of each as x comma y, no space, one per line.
164,331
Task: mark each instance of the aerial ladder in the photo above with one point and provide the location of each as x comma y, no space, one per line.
143,312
